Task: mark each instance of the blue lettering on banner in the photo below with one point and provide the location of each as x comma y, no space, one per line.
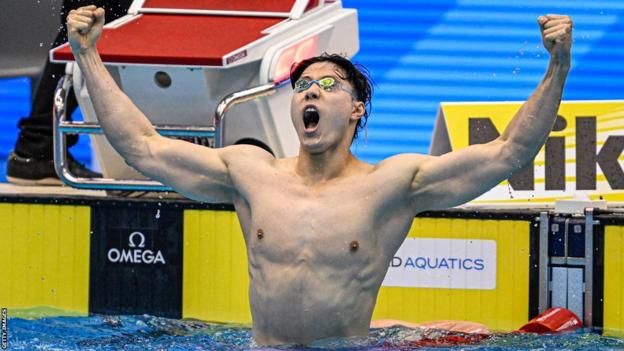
424,263
443,264
452,260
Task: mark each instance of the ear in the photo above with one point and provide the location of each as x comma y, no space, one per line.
357,110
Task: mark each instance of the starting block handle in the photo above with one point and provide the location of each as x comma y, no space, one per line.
237,98
62,127
61,164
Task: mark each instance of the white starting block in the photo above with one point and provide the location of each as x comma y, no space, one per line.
187,63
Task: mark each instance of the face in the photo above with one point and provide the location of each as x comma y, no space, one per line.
324,119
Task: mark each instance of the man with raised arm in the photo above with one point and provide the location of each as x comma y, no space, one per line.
321,227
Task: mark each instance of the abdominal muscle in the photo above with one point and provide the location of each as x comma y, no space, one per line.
298,305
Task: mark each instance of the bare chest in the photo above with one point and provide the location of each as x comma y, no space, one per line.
289,223
326,230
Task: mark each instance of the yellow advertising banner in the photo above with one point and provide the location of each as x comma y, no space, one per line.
582,156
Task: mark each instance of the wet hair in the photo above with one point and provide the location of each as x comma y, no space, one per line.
356,74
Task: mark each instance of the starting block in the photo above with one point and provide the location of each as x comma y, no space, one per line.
187,64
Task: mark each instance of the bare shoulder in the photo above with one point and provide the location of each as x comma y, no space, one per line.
246,157
403,163
248,167
394,175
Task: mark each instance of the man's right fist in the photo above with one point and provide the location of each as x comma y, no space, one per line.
84,26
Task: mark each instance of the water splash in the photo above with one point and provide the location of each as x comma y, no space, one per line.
144,332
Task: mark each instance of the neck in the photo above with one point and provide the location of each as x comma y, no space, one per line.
324,166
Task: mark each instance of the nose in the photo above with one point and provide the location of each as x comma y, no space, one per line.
312,92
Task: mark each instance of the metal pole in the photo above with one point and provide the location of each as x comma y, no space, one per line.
542,304
589,267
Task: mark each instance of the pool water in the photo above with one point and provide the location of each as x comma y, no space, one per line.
101,332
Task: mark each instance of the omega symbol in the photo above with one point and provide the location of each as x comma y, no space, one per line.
131,239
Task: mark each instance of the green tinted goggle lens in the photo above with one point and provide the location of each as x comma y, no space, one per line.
327,84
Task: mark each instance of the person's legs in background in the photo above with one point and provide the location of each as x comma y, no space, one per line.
31,162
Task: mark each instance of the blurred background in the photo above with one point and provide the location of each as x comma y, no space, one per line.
420,53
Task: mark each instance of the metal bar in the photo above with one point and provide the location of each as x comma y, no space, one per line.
573,261
236,98
60,154
542,304
165,130
589,267
561,261
566,224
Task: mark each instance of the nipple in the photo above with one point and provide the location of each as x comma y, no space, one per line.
354,245
260,233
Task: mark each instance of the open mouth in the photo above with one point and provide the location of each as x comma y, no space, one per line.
310,118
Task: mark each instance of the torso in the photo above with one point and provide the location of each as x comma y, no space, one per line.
318,254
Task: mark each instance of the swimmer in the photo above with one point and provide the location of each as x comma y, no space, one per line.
320,228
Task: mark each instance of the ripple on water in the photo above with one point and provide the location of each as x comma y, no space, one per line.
100,332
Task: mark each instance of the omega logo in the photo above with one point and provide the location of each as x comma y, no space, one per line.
136,241
131,239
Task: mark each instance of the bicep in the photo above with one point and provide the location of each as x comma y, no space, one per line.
195,171
460,176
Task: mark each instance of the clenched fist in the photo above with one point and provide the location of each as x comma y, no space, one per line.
557,36
84,26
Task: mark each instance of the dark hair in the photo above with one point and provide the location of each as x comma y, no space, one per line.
356,74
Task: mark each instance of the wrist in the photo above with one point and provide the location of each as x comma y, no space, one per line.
85,53
87,57
560,61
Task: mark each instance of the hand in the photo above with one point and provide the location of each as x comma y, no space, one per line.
84,27
557,36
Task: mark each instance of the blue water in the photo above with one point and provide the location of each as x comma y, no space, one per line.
145,332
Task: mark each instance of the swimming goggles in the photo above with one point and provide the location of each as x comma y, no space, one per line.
326,83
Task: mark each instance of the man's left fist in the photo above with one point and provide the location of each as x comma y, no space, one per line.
557,35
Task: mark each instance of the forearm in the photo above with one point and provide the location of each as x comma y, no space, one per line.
528,130
125,126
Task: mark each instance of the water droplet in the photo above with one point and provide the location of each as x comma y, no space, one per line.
158,214
40,44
